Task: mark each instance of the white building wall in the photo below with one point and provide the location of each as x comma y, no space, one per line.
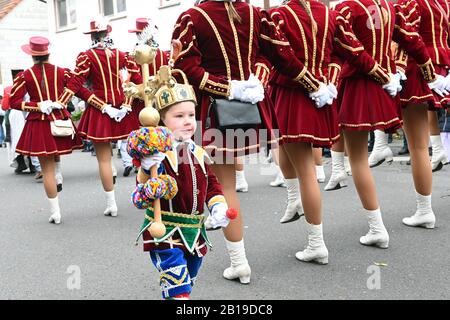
28,19
67,44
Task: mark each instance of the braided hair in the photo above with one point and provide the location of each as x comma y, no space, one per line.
307,8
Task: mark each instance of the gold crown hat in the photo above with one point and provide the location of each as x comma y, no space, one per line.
168,91
159,91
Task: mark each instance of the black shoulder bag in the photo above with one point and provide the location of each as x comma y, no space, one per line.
233,114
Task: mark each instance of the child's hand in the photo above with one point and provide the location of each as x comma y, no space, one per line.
218,217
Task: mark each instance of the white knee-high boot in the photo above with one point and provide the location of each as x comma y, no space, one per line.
279,179
439,157
111,206
241,182
55,211
338,177
424,216
316,250
381,151
377,235
114,171
320,174
294,208
239,264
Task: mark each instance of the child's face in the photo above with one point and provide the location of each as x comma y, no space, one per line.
180,119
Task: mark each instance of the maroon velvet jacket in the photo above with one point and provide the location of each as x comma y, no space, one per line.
217,49
376,23
41,86
430,19
103,71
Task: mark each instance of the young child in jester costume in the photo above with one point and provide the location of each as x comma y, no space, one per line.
184,184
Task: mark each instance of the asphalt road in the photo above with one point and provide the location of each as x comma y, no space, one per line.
38,260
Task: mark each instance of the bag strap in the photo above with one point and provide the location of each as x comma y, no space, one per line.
42,85
208,113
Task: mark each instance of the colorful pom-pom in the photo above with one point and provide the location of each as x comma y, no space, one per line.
172,187
139,199
155,188
149,140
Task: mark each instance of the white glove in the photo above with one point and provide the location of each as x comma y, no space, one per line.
323,96
447,82
123,111
333,90
401,75
438,86
218,217
394,86
253,81
253,95
57,106
237,87
46,106
154,159
81,105
110,111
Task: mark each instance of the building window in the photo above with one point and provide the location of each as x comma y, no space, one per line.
66,14
168,3
111,8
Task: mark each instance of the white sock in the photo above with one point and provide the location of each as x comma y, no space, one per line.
423,204
54,204
236,250
293,189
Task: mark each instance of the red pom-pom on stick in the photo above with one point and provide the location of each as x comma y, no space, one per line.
232,213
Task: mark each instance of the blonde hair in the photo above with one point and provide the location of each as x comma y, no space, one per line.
307,8
232,11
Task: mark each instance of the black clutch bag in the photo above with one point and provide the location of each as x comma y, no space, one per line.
233,114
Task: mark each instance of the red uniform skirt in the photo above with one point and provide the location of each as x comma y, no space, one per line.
99,127
416,90
37,140
236,143
363,105
301,121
